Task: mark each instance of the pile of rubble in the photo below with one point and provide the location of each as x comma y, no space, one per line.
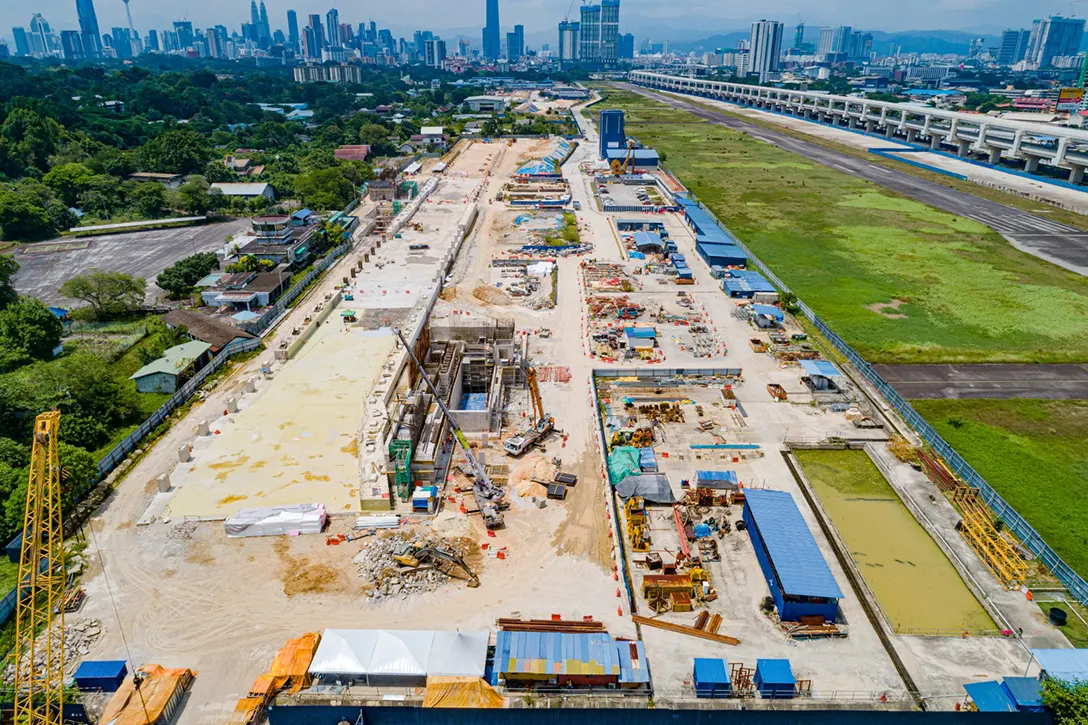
79,636
387,578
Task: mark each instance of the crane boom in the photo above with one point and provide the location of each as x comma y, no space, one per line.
487,494
39,670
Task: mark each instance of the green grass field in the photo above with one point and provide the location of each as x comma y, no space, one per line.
1033,453
848,247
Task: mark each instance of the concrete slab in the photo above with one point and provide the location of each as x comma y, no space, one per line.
297,440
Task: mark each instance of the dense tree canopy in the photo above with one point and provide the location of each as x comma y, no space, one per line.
179,278
108,294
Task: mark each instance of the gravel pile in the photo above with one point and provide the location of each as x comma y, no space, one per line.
387,578
79,635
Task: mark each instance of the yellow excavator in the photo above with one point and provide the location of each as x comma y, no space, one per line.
413,556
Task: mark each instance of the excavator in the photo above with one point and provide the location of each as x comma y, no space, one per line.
487,494
543,424
413,556
627,166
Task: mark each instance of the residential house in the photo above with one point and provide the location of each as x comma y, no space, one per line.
170,371
242,167
247,290
357,152
170,181
279,240
199,327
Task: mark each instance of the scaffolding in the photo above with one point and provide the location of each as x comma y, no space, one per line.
980,531
401,452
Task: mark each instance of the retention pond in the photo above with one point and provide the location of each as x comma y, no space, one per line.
915,584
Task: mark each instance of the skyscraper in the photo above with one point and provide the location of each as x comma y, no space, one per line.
153,40
1055,37
610,30
332,27
626,46
122,43
88,28
42,40
799,35
434,52
1014,46
590,35
841,41
265,31
492,42
515,44
766,48
569,49
184,29
22,44
292,28
826,43
71,44
317,42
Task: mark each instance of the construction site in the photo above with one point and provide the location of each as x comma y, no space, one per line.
431,489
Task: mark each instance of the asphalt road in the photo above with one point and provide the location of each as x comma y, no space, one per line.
141,254
1036,235
1052,382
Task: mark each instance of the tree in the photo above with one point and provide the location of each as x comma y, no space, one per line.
249,263
22,220
100,196
149,200
179,151
1067,700
325,189
8,268
109,294
179,278
30,327
194,197
68,181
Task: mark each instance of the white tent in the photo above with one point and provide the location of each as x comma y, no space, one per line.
399,653
344,652
459,654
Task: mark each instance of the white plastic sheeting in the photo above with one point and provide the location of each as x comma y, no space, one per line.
540,269
307,518
362,653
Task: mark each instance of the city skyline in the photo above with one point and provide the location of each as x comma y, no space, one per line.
701,19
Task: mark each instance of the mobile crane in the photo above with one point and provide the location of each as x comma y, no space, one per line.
487,494
543,424
627,166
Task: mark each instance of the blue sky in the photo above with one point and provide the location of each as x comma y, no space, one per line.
646,18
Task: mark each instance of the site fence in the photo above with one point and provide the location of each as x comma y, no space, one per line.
129,444
1014,522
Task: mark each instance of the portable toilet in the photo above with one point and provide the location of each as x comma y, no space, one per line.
711,678
774,679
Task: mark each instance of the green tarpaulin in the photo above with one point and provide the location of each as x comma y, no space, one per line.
622,462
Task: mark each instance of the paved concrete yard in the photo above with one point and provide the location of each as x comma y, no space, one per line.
297,441
141,254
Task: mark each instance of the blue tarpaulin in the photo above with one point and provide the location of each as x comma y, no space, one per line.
989,697
473,401
822,368
640,332
716,479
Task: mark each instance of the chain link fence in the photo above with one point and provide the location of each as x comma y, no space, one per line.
1029,537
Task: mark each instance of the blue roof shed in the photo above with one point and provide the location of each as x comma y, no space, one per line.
770,311
100,675
302,215
821,368
710,678
1070,665
561,656
799,578
645,241
990,697
641,332
774,679
1026,692
721,254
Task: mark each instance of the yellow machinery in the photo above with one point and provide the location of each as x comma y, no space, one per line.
39,689
627,166
413,557
979,530
638,526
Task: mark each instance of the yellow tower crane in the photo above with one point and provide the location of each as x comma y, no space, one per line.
39,689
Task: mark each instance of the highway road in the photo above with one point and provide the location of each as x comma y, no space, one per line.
1063,245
